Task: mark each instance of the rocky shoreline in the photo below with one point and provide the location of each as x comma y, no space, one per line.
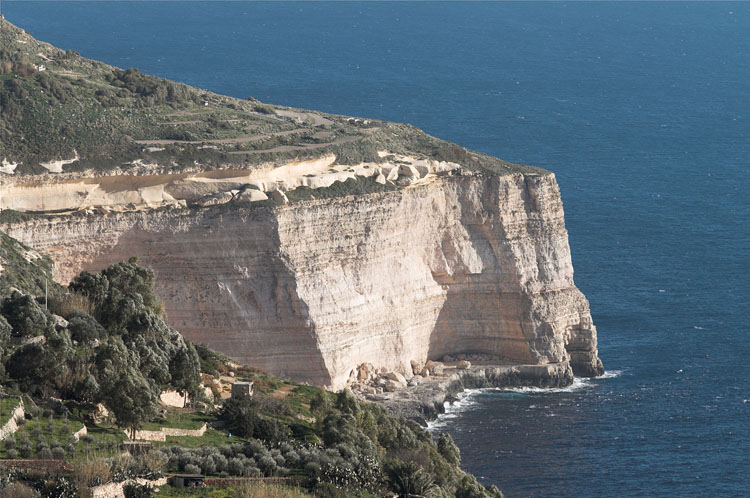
426,401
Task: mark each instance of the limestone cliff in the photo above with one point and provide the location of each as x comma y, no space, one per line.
441,251
461,263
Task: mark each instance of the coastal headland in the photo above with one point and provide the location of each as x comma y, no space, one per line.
300,243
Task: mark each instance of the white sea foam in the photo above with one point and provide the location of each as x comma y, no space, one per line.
468,398
465,401
610,374
577,385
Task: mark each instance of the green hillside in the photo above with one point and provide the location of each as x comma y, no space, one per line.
56,105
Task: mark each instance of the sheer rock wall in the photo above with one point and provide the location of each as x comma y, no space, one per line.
460,264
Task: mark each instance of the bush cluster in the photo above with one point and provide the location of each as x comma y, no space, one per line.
150,90
110,344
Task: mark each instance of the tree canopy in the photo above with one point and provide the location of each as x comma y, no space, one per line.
109,344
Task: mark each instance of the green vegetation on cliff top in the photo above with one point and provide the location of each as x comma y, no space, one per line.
56,105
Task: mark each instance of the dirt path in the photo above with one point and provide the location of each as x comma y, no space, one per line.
301,117
289,148
283,392
239,140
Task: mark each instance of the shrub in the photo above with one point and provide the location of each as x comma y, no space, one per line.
24,315
25,450
235,467
468,487
91,473
408,478
329,490
12,454
192,469
84,328
448,449
135,490
352,186
18,490
58,453
5,330
495,492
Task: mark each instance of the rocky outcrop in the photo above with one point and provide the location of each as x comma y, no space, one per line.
425,401
461,263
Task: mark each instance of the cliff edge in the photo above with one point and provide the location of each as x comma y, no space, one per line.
327,243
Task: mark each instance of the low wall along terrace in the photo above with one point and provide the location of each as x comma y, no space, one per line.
115,489
11,426
161,434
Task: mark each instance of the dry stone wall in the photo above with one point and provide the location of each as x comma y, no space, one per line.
115,489
80,433
161,434
11,426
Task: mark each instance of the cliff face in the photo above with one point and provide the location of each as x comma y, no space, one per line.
457,264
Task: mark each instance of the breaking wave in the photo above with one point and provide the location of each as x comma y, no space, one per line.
469,398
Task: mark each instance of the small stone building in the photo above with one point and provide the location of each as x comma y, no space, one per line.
242,390
186,480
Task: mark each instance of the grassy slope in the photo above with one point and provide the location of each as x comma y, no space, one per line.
109,118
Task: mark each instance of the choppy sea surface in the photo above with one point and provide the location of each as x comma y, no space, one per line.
643,112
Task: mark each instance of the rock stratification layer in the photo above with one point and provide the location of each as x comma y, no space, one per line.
464,263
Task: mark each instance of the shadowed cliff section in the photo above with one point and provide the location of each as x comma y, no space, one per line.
482,306
510,286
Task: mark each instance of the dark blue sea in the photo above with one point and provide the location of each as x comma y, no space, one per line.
643,112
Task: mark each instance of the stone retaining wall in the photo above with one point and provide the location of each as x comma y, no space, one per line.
234,481
80,432
51,466
148,435
161,434
185,432
114,489
11,425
